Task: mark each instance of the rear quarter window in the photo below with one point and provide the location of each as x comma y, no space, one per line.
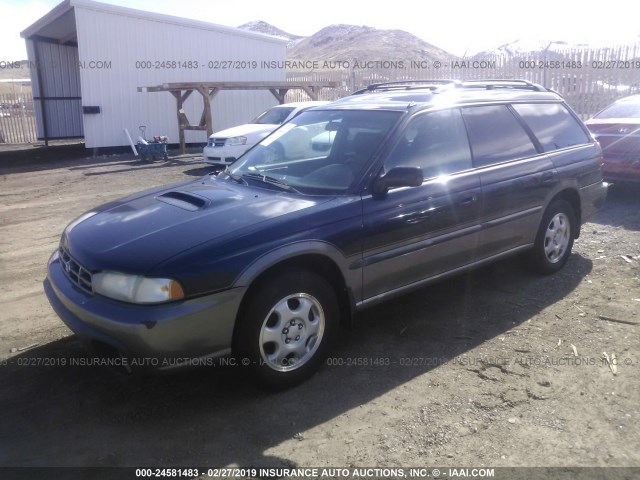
496,135
553,125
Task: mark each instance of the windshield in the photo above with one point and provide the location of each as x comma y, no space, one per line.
274,116
318,152
623,109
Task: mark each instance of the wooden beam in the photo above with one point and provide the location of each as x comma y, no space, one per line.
186,95
311,92
183,121
279,93
205,120
208,90
236,86
203,117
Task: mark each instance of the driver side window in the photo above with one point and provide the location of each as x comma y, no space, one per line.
436,142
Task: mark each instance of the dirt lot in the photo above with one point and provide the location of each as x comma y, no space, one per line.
478,371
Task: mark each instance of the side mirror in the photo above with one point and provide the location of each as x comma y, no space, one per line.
398,177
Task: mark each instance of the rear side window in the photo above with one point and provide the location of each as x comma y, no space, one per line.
436,142
553,125
496,135
627,108
274,116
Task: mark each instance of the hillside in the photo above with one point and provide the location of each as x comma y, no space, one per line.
351,42
259,26
523,47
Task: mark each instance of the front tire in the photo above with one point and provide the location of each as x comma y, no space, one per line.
554,240
286,328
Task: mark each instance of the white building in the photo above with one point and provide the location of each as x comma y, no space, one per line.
88,59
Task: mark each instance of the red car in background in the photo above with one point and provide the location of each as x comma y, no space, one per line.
617,128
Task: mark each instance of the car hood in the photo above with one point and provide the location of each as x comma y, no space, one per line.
136,233
243,130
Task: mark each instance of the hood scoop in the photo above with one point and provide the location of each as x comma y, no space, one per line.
186,201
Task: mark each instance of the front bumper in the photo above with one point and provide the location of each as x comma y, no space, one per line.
161,334
224,155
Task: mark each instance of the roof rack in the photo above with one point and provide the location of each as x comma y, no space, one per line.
405,85
443,85
495,84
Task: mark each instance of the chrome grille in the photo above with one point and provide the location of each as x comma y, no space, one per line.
76,272
217,142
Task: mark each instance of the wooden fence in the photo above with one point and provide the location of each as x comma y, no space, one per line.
589,80
17,118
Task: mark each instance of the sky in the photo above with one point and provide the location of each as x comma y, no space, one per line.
458,27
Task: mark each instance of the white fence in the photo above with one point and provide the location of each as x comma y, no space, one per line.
589,80
17,118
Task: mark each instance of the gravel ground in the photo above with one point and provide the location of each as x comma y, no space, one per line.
497,368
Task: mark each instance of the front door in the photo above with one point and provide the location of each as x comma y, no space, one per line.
415,233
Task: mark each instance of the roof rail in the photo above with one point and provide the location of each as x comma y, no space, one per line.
405,85
495,84
439,85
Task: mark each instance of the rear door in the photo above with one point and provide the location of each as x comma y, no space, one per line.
515,174
419,232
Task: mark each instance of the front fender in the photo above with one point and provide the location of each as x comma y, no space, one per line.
351,273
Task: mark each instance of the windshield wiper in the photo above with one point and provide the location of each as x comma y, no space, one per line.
271,181
235,178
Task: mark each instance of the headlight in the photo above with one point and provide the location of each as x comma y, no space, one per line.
54,256
233,141
135,288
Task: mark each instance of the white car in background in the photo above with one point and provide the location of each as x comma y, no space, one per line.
226,146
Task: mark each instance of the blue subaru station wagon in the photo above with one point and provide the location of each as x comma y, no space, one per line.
348,204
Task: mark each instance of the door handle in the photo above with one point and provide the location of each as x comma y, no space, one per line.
418,217
467,200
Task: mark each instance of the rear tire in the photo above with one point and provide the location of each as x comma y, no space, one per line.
554,240
285,331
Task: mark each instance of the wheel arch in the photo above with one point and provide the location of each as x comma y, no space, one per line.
572,197
319,257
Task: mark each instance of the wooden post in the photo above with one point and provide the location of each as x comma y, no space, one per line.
279,93
205,119
311,92
182,121
212,93
208,90
180,126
